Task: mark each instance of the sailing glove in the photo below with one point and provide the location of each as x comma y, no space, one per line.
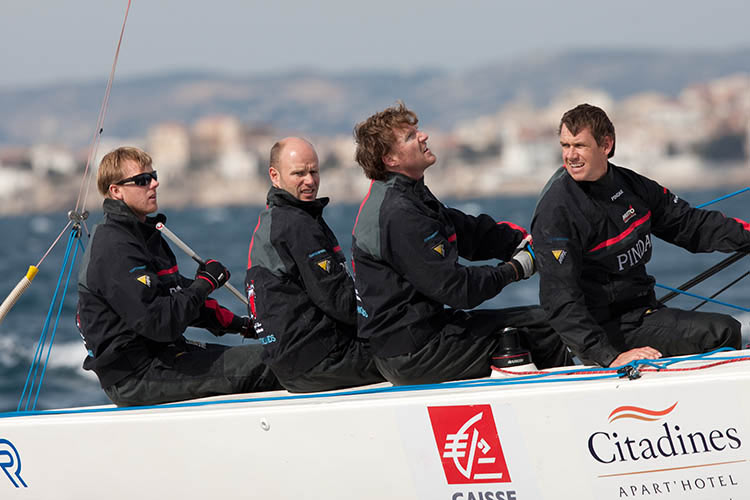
239,324
214,273
523,261
245,328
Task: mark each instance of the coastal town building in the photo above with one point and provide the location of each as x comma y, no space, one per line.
513,149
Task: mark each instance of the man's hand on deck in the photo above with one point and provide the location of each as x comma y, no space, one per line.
633,354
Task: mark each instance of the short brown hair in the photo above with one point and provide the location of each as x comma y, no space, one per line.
110,168
586,115
374,138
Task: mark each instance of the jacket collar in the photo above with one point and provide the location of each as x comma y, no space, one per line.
406,181
602,185
119,210
280,198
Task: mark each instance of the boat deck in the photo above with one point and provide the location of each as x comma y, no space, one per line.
585,435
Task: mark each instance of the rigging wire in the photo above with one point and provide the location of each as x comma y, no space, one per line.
703,276
77,218
710,271
707,299
86,181
76,214
73,239
726,287
54,243
720,198
32,376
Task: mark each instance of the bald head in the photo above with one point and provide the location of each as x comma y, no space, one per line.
294,168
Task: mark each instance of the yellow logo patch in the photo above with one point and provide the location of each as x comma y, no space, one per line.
325,265
559,255
440,249
145,280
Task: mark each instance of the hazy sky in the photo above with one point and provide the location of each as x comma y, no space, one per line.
44,41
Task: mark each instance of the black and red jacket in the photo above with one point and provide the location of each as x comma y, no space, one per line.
132,300
406,246
593,239
300,294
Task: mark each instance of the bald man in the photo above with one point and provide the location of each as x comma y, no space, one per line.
300,294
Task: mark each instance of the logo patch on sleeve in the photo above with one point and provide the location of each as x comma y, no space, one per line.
325,265
439,249
559,255
145,280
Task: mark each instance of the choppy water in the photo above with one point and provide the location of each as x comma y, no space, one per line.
224,234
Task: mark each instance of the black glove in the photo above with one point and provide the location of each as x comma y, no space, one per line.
214,272
244,327
239,324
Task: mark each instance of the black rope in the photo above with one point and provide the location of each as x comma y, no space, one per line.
704,275
722,290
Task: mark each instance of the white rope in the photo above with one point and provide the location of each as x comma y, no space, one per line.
16,293
75,215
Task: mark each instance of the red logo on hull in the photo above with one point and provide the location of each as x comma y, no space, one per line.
468,444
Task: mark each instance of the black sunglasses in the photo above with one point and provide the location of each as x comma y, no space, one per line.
143,179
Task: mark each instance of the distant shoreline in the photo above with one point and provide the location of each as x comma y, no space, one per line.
60,196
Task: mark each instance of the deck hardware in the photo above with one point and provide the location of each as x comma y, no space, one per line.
630,371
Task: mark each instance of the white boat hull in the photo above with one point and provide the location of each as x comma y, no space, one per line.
688,436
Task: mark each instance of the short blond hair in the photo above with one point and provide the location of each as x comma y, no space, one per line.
110,168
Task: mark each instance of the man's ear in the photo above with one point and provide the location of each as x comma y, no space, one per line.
607,143
388,160
115,192
274,175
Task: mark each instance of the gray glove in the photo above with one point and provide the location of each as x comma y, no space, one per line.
523,260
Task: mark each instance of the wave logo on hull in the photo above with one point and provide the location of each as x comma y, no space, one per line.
10,463
638,413
468,444
645,442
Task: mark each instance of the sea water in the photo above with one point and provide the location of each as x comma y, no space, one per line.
223,233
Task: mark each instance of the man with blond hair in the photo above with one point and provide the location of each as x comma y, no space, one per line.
406,246
134,306
299,291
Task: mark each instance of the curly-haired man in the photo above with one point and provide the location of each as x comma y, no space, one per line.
406,246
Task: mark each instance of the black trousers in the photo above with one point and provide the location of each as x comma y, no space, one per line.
188,371
463,349
674,332
350,365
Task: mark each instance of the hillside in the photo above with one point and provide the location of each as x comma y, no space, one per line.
325,103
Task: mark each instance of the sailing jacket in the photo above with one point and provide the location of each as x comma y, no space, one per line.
593,239
132,301
406,245
300,294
